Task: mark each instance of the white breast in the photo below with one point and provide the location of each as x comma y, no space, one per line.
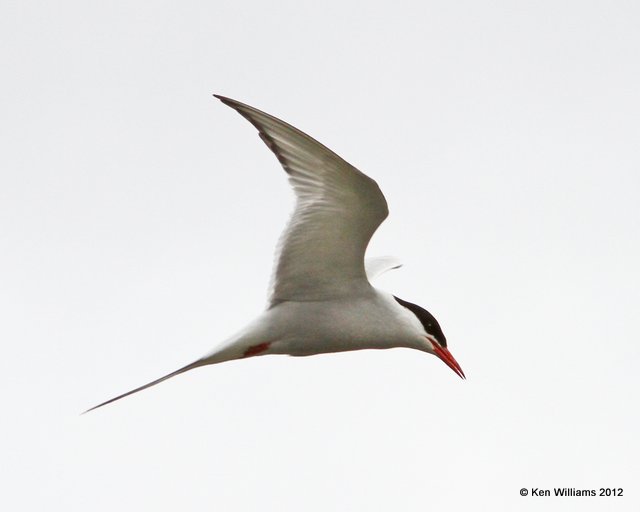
314,327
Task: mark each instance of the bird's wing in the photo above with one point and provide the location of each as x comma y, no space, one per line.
320,255
379,265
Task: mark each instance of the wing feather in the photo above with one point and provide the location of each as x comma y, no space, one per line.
320,255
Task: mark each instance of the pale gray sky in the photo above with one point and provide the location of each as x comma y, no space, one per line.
138,218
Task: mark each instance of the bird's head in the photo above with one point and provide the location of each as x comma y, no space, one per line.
435,341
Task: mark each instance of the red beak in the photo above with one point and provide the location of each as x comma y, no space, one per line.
444,354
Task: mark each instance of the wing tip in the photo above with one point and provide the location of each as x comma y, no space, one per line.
230,101
221,97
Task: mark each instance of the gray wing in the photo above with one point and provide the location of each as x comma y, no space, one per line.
321,252
379,265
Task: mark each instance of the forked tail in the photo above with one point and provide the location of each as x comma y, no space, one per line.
152,383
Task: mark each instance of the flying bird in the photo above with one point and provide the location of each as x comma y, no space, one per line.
321,299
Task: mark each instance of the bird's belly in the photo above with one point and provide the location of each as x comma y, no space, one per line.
313,347
318,328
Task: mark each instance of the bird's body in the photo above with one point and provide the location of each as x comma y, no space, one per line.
321,298
374,321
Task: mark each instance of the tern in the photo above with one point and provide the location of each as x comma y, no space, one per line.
321,299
